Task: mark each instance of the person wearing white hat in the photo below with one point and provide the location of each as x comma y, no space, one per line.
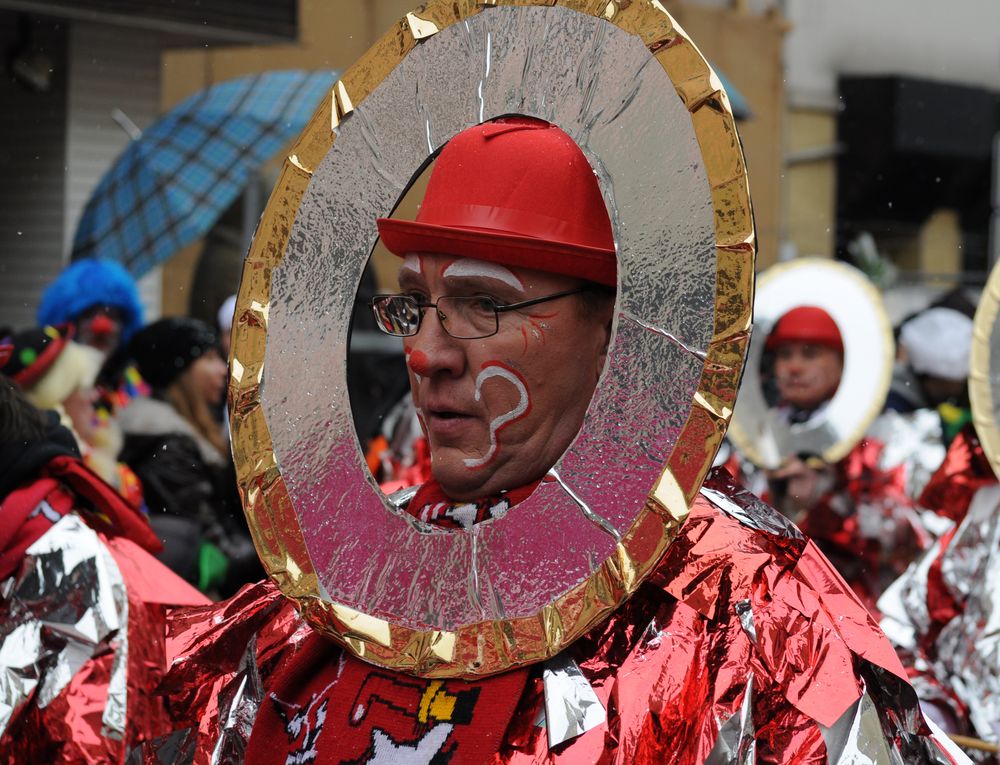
934,367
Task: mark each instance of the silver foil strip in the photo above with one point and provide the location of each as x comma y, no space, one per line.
736,744
747,508
238,707
66,604
571,705
968,646
913,440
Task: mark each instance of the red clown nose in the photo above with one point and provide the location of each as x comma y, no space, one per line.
516,191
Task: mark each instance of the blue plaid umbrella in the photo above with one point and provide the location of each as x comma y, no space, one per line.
172,183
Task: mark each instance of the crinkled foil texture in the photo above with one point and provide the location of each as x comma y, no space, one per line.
77,659
856,307
912,440
603,87
652,118
945,614
743,647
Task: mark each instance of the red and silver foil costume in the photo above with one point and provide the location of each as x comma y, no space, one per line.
943,614
744,646
864,520
81,621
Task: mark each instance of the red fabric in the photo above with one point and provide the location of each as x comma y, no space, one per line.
806,324
28,512
965,470
346,711
834,522
516,191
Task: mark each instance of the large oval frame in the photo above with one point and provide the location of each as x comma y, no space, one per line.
677,352
856,306
984,369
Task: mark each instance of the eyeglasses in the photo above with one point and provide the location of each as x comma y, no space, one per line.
464,318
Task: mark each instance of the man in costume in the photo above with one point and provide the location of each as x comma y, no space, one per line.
743,646
808,360
83,611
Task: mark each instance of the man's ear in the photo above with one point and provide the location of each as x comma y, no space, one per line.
607,316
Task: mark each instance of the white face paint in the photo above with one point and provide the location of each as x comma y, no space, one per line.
412,263
498,422
485,269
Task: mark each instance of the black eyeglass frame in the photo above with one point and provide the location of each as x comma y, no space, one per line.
497,309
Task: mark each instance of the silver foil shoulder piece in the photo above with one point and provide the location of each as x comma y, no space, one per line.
66,605
571,705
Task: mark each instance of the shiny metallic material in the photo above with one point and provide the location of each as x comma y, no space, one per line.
857,737
66,606
984,369
968,646
855,305
736,744
959,647
501,594
571,706
913,440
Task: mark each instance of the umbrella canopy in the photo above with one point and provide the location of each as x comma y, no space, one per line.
172,183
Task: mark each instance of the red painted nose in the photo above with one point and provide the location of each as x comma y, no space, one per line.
102,325
419,363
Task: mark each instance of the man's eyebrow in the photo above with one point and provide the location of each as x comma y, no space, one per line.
465,268
408,278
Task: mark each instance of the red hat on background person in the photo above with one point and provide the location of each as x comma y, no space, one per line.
516,191
33,353
806,324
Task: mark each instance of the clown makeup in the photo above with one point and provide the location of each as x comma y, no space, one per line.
499,411
807,374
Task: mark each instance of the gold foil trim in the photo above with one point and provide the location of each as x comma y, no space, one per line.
486,648
421,28
341,105
981,393
296,162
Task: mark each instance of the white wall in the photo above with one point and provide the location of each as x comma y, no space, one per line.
32,157
956,41
109,67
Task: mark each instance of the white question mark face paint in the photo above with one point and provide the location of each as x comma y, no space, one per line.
495,369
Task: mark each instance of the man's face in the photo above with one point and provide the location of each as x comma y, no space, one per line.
499,411
807,374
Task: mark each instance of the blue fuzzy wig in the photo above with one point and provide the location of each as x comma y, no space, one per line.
87,283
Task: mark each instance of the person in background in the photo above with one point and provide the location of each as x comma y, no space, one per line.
857,510
933,369
808,360
224,320
79,579
176,447
57,373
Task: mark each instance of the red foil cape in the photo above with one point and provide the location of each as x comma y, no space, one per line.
70,727
965,470
944,630
866,524
745,638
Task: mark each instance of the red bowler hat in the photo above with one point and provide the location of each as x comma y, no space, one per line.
806,324
516,191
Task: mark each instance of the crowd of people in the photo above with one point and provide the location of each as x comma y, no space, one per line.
144,407
736,623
